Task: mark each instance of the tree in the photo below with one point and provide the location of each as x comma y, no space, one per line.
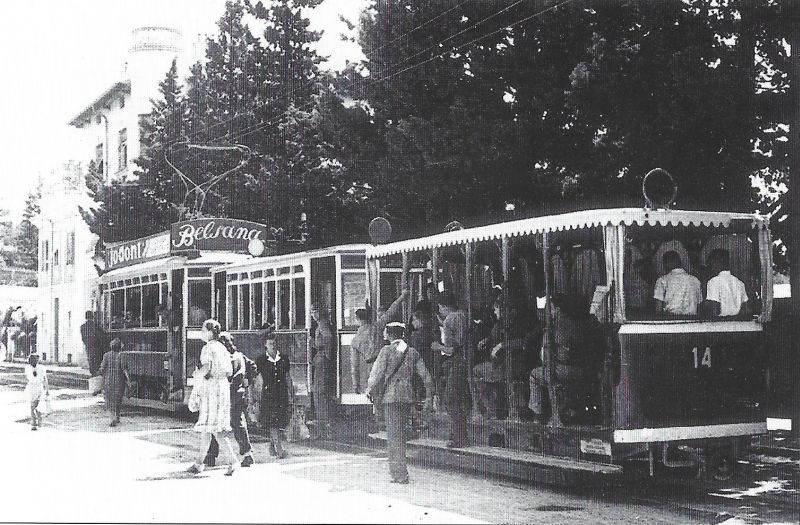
26,240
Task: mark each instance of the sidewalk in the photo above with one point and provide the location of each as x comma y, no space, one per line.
55,371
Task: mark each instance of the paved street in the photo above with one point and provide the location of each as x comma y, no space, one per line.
77,468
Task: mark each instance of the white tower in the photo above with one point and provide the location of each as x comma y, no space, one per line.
149,58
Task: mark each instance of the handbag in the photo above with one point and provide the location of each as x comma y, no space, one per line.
377,392
95,385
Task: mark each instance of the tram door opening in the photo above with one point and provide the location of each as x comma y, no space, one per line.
323,295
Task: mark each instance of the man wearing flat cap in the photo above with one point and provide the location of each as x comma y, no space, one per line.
391,374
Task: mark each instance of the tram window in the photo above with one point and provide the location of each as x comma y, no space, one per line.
352,262
390,288
269,303
233,306
299,303
133,305
354,291
283,303
199,301
150,302
258,305
648,251
244,320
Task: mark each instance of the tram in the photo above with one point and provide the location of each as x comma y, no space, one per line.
155,295
654,389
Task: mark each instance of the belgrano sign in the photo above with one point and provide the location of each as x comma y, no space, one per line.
212,234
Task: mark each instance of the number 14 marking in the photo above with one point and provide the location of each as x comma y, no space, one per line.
705,360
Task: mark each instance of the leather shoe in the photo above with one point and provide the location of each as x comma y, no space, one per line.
247,461
403,481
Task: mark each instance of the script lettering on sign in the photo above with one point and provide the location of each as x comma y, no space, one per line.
215,234
126,253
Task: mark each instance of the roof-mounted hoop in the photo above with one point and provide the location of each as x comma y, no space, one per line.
380,231
199,191
659,189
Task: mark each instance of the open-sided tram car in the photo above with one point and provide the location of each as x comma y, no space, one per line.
663,391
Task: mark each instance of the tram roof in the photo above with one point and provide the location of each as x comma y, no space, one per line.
173,262
255,263
567,221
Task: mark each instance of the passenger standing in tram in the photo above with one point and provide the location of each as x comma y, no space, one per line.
115,378
456,395
725,294
214,417
367,343
421,338
276,393
239,384
677,292
396,365
566,331
322,359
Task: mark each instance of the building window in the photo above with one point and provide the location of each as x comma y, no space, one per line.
71,248
45,255
121,102
98,119
55,258
122,150
98,157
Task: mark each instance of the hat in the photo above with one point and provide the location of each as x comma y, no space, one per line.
395,324
362,314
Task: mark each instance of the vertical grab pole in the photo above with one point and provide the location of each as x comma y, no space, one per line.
469,256
435,314
406,308
513,413
549,358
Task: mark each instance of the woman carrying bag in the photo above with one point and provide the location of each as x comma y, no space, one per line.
214,397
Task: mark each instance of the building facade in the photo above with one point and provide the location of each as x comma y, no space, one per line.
108,133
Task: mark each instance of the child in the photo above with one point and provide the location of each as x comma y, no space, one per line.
37,385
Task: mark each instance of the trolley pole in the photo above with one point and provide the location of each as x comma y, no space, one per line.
793,198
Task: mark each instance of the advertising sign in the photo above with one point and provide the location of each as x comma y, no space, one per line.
131,252
215,234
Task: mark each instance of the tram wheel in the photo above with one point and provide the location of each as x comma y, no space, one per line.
722,467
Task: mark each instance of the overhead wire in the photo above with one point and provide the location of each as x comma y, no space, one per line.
257,127
371,53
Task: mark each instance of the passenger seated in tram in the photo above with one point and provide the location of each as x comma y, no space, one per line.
573,348
524,340
677,292
726,295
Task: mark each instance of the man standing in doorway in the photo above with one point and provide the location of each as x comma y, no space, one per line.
95,341
322,359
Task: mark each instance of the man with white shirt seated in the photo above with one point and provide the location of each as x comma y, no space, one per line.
725,293
677,292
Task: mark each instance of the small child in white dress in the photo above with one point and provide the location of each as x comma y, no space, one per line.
37,385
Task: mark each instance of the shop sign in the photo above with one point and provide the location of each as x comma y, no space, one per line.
215,234
132,252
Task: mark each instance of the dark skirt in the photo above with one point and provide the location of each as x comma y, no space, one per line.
275,394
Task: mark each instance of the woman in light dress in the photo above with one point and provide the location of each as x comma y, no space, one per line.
36,388
215,402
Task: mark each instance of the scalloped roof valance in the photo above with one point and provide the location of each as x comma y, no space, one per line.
566,221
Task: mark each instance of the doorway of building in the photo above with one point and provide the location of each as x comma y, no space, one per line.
55,330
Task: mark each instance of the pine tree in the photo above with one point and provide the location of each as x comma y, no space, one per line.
27,235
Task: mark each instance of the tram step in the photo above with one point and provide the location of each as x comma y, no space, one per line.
500,461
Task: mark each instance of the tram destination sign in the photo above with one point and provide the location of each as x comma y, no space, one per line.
215,234
138,250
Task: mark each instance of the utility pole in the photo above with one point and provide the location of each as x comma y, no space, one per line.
794,207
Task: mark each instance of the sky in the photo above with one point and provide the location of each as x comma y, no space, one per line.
58,56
